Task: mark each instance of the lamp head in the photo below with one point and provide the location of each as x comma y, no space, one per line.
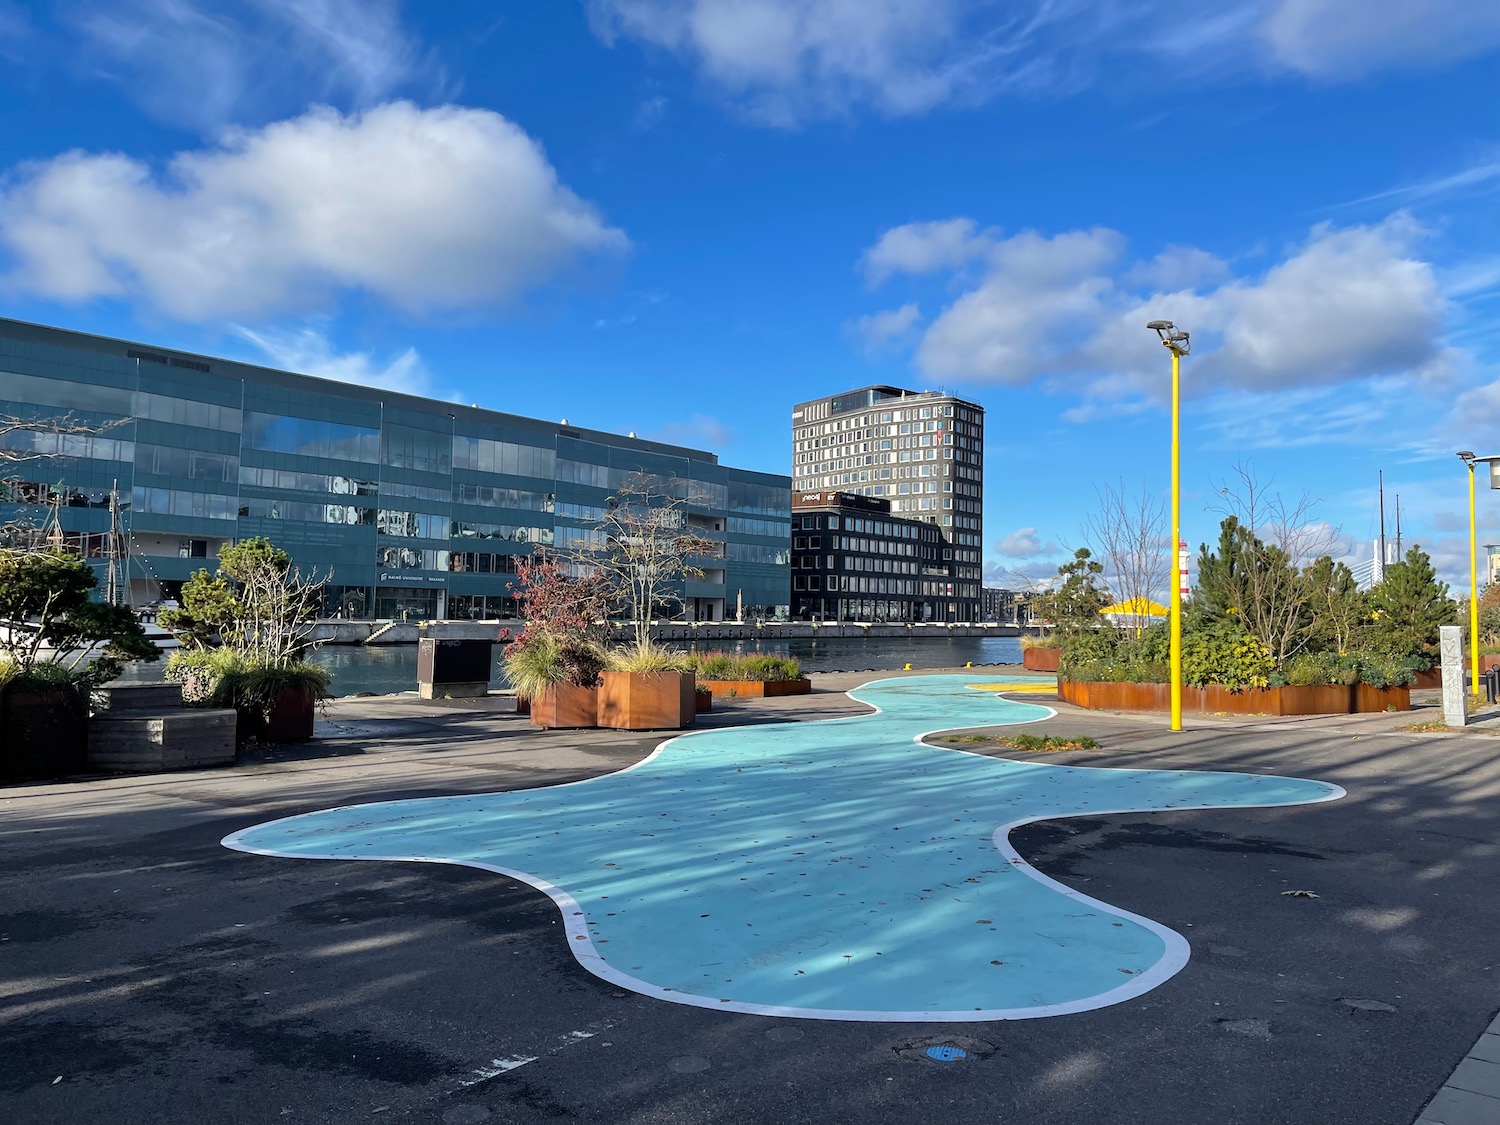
1160,326
1466,454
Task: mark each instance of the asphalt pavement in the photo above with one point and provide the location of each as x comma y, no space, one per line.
148,974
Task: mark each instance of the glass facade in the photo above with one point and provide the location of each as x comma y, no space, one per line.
416,508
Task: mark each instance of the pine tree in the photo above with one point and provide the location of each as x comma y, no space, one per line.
1409,605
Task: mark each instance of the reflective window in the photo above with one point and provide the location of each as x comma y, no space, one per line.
754,553
192,464
411,558
277,433
467,529
487,456
307,482
496,497
414,525
64,393
186,412
416,491
742,525
170,502
407,447
92,447
346,514
763,499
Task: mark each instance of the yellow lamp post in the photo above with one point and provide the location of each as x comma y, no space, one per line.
1177,343
1494,463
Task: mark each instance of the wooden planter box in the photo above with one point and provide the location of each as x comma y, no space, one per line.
703,700
1040,659
1323,699
566,706
291,720
758,689
43,733
647,700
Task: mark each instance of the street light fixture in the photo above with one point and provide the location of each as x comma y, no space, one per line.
1468,458
1176,341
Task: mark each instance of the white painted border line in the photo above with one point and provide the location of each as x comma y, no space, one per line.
581,942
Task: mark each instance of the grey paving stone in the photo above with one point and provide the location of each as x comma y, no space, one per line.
1488,1048
1478,1077
1459,1107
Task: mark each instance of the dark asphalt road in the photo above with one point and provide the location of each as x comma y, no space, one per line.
163,978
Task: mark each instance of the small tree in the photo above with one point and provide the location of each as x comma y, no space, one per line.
1409,605
645,548
258,604
45,607
1130,532
560,600
1337,604
1073,606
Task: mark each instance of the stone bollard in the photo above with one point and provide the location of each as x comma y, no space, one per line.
1451,648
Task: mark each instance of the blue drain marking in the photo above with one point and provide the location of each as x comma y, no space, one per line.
946,1053
836,870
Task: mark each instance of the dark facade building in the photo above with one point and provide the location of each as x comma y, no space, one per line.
922,453
417,508
997,604
852,560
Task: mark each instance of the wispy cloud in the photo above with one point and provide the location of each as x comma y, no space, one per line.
699,431
308,351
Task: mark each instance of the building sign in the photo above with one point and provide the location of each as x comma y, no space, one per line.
415,579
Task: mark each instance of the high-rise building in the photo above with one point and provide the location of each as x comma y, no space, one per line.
852,560
416,507
923,452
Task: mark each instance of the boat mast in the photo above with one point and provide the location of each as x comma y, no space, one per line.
1399,556
1383,556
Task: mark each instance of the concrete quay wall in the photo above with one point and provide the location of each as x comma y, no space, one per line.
408,633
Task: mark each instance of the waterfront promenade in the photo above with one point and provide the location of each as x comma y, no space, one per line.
151,974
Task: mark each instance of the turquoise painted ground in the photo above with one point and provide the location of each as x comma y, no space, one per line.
836,869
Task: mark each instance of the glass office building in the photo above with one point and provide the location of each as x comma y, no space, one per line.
416,508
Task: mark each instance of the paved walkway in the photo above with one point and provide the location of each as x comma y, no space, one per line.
1471,1096
149,974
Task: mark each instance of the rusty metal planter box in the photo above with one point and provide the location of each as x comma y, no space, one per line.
566,706
1040,659
1321,699
758,689
647,700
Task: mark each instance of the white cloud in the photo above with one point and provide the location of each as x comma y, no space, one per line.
1334,39
436,208
1024,543
308,351
787,60
918,248
1347,304
879,330
202,64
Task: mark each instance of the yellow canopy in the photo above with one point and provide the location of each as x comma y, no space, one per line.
1136,607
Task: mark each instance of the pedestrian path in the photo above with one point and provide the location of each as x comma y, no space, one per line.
1471,1096
840,869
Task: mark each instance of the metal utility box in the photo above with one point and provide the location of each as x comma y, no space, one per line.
453,668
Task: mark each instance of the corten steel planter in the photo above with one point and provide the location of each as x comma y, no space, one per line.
1433,677
703,700
1315,699
290,720
647,700
43,732
1039,659
565,705
758,689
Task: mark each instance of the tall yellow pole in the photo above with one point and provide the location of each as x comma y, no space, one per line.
1176,626
1473,591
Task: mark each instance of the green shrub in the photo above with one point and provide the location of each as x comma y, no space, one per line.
255,688
1044,743
762,668
1319,668
537,661
648,658
1386,669
1222,653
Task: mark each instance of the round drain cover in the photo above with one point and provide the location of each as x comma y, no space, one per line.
946,1052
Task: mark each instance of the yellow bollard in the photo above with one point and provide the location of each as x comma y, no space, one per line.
968,664
907,668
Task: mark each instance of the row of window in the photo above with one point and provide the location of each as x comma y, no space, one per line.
307,482
744,525
756,553
93,447
520,499
909,587
485,455
192,464
514,533
170,502
279,433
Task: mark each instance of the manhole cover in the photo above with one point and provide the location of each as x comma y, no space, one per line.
946,1052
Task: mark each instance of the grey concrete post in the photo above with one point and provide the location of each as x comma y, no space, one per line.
1451,647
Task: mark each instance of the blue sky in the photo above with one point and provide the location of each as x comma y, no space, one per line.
681,216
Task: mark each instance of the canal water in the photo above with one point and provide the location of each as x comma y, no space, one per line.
387,669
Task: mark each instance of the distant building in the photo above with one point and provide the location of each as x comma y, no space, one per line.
997,604
922,452
417,507
852,560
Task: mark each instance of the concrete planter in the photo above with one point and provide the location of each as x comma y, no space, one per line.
43,733
758,689
1320,699
1040,659
647,700
566,706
